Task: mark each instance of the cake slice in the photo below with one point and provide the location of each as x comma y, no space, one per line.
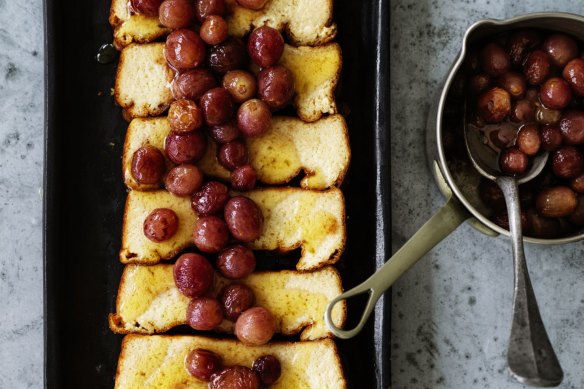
142,86
316,72
320,150
306,22
134,28
293,217
158,362
148,301
142,81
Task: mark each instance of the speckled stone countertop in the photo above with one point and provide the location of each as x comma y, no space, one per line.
452,311
21,174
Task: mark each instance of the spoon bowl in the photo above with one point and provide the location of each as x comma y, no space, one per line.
486,160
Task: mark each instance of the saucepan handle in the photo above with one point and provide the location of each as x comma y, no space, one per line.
440,225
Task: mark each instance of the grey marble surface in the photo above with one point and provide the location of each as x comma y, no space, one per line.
21,162
452,311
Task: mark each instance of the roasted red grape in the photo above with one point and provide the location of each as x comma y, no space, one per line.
210,234
204,313
184,49
265,46
494,60
240,84
192,84
202,363
206,8
478,83
514,83
236,262
193,275
268,369
224,133
244,178
567,162
577,184
574,74
214,30
160,225
513,161
185,147
555,93
183,180
577,217
145,7
217,106
572,127
551,137
235,299
537,67
276,86
148,165
254,118
558,201
255,326
520,43
235,377
244,219
252,4
523,111
176,14
233,154
210,199
184,116
543,227
561,49
529,139
226,56
532,94
494,105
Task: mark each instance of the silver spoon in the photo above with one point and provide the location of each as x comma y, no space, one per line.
530,355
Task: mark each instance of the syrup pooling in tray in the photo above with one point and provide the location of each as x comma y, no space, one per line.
107,53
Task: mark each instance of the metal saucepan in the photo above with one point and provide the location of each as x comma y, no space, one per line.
458,185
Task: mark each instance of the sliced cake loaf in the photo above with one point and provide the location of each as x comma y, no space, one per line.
312,220
142,81
320,150
303,28
158,362
142,86
148,301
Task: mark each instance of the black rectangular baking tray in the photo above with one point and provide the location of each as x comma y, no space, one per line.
84,194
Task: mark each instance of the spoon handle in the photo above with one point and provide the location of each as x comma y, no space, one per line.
530,355
440,225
